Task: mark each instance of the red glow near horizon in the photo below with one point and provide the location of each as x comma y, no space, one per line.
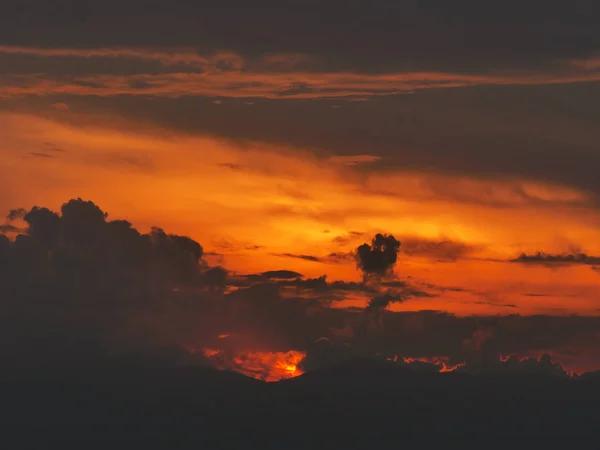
265,366
442,362
276,366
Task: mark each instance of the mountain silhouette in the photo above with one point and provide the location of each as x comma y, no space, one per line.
355,401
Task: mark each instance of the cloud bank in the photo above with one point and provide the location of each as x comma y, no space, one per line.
80,288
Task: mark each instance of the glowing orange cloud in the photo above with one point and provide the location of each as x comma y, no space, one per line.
269,85
255,78
256,204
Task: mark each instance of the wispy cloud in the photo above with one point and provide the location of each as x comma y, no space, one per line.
40,155
227,74
185,56
354,160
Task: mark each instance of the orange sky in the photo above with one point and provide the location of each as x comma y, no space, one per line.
252,202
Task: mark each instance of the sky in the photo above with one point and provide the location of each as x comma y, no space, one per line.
283,135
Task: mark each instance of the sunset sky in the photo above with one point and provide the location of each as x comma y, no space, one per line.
283,136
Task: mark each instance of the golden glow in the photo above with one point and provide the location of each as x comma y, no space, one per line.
266,366
442,363
255,204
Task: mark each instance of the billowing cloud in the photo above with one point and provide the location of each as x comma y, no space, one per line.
74,282
378,258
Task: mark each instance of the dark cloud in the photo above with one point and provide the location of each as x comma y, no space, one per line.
311,258
79,288
40,155
332,258
378,258
276,274
233,245
9,228
430,34
15,214
481,347
549,259
542,365
382,301
216,278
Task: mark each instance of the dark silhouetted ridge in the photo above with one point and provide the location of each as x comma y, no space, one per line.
361,370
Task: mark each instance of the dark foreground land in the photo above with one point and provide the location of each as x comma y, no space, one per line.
355,405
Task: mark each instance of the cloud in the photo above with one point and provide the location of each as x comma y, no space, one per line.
175,57
422,161
16,214
87,288
502,344
378,258
231,166
430,34
382,301
59,106
513,364
233,83
94,280
277,274
351,237
563,259
40,155
354,160
245,76
331,258
216,278
311,258
440,250
9,228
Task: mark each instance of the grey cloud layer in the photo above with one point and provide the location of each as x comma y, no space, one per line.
345,35
500,120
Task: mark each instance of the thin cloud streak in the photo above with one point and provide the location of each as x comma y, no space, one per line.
270,86
229,75
186,56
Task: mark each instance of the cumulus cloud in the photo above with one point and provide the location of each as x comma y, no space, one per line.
378,258
75,281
